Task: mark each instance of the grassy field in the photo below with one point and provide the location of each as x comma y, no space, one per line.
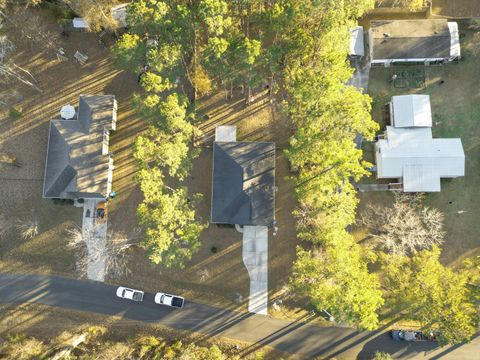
216,278
455,110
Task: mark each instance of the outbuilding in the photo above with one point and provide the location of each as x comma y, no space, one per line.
429,41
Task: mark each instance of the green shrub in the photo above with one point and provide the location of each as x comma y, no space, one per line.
16,112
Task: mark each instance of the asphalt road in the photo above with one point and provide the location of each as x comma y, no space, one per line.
297,337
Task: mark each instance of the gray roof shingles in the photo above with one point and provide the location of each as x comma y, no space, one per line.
76,166
410,39
243,183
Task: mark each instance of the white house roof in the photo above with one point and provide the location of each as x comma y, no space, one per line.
356,41
411,111
420,178
412,154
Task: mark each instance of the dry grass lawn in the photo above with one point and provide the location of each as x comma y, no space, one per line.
456,8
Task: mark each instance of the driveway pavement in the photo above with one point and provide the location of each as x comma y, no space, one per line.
95,236
255,258
308,341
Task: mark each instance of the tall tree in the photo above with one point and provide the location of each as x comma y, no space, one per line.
337,279
440,298
172,228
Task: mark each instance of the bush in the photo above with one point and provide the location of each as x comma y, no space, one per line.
16,112
58,10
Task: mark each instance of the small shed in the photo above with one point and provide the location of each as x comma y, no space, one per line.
357,46
119,14
80,23
411,111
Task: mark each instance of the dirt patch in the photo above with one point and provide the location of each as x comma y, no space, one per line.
456,8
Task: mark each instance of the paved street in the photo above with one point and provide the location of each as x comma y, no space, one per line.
295,337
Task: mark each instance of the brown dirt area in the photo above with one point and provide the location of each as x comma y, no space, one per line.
455,110
45,323
21,188
456,8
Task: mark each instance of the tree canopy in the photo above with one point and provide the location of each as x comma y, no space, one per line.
440,298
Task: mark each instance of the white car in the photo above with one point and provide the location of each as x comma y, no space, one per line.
169,300
130,294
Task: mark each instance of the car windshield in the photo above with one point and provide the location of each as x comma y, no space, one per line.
123,292
162,298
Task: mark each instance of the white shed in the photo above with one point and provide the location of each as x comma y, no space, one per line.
80,23
411,111
357,47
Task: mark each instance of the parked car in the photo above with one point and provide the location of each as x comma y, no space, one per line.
130,294
101,212
169,300
412,335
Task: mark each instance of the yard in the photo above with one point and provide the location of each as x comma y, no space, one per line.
216,273
455,95
36,37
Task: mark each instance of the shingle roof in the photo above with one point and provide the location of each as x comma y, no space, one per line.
410,39
243,183
78,163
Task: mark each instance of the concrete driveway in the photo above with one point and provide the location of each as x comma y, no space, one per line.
95,235
255,258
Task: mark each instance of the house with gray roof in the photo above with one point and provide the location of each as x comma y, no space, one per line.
78,163
243,186
413,41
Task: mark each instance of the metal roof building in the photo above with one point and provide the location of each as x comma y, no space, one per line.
243,187
357,46
78,163
413,155
411,111
421,41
